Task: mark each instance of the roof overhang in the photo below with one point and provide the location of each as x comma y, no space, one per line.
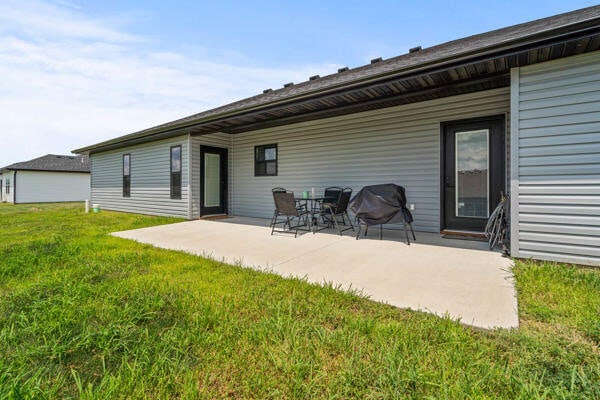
483,69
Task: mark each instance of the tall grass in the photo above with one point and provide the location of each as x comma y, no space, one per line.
87,315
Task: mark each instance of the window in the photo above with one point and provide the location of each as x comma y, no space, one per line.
126,175
176,172
7,190
265,160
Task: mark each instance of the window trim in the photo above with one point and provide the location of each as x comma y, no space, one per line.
126,178
256,161
173,194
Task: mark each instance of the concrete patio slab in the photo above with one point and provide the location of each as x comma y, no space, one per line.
459,278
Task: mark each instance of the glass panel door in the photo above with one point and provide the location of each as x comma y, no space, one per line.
473,171
472,174
212,180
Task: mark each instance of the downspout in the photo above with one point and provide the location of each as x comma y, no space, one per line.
90,187
15,187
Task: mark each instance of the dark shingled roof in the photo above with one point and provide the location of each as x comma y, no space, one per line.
460,46
54,163
462,49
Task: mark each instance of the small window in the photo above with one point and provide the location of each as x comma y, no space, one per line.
176,172
265,160
7,191
126,175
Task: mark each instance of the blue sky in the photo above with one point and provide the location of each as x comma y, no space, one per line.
78,72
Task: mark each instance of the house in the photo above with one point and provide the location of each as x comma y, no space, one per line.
50,178
512,111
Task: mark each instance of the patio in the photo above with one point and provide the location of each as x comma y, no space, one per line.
459,278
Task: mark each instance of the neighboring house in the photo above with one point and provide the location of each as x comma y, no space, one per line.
516,111
50,178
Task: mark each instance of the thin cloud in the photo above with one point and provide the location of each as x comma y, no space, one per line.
88,81
42,19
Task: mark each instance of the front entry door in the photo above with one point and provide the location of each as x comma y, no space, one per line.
473,178
213,180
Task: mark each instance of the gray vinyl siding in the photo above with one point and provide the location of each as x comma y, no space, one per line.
214,140
150,179
398,144
556,160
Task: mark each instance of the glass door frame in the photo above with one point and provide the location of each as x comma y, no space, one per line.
223,184
496,126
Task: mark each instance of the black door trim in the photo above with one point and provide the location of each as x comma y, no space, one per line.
222,208
498,170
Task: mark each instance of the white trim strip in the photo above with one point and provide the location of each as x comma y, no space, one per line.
189,177
514,162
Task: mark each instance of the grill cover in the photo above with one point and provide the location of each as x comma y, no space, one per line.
381,204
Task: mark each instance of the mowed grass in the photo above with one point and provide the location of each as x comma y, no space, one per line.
87,315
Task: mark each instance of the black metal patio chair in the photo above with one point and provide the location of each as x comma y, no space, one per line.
292,213
283,190
331,212
276,190
332,194
330,197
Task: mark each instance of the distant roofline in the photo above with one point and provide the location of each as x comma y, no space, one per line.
44,170
34,164
564,24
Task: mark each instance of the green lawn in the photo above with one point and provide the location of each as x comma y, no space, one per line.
84,314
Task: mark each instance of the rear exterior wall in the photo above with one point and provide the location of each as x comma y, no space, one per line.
150,179
556,160
398,144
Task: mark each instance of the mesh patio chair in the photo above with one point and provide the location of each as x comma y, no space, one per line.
282,190
332,212
286,207
330,197
276,190
332,192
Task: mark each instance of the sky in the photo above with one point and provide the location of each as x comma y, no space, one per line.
74,73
